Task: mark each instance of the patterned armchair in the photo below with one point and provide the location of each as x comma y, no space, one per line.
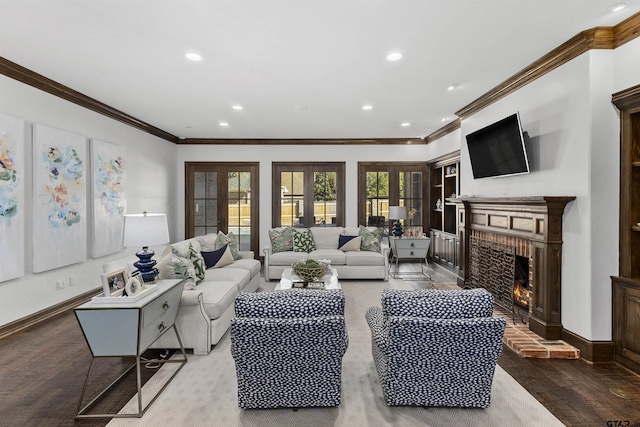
288,348
436,347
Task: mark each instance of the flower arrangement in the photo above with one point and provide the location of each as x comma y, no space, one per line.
311,270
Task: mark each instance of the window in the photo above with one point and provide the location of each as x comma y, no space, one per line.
310,194
384,184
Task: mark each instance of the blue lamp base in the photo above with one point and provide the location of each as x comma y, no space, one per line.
397,229
146,265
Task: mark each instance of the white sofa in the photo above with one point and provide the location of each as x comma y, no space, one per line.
349,264
205,311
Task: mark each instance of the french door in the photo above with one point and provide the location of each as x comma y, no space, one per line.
223,196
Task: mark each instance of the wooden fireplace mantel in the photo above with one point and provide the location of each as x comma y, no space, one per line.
537,219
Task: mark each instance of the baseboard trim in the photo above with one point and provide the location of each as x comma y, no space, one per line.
591,351
47,313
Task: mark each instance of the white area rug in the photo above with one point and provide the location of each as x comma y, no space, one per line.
204,393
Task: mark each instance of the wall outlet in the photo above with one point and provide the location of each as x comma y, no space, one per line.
72,280
60,284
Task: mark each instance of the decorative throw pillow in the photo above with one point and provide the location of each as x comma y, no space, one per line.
181,268
281,239
208,242
231,240
198,263
349,243
218,258
181,249
303,241
371,239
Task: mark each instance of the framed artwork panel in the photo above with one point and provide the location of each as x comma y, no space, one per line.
12,203
59,205
108,194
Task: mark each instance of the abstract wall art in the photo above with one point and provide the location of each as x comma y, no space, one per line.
108,194
59,205
12,205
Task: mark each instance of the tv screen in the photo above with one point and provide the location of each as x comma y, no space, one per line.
498,149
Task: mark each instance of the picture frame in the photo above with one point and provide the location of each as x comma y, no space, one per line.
113,283
415,231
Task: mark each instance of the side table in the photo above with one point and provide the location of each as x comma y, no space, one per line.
415,248
128,329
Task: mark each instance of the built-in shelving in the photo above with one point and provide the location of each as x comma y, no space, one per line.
443,214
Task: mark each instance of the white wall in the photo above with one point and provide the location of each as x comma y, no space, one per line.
150,186
573,145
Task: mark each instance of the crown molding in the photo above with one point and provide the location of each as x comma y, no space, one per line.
31,78
293,141
594,38
447,129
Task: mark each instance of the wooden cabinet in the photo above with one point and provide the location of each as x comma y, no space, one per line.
626,322
443,225
626,287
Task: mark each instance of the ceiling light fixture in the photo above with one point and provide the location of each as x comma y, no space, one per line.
238,107
444,119
452,87
405,124
193,56
394,56
618,6
224,124
367,107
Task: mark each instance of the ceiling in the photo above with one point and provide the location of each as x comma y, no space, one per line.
299,68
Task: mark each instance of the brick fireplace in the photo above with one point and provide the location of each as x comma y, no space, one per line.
532,226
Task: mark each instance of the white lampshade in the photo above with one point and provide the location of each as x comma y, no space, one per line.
397,212
145,229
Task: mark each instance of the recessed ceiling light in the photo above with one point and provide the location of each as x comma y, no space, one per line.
238,107
193,56
405,124
618,6
182,137
301,107
394,56
444,119
452,87
367,107
224,124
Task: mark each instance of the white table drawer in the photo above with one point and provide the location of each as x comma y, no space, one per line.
161,306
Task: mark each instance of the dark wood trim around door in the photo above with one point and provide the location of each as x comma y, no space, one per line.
254,167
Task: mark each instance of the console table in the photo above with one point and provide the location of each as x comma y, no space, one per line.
408,248
128,329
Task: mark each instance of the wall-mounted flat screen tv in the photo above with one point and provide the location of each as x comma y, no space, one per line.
498,149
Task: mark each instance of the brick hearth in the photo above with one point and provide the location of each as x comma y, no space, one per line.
526,343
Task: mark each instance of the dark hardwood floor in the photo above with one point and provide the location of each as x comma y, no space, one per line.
42,370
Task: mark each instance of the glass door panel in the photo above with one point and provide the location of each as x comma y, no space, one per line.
205,202
324,198
377,198
292,199
239,207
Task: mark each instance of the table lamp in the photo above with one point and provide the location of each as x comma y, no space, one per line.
397,213
145,229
